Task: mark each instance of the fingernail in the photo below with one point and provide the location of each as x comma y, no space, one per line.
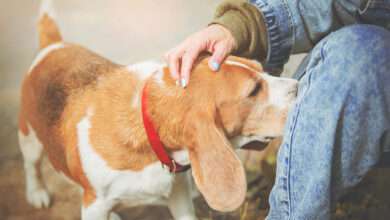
214,66
183,83
177,82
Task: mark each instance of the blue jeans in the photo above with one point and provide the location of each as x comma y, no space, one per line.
340,125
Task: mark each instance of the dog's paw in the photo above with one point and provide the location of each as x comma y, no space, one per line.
39,198
114,216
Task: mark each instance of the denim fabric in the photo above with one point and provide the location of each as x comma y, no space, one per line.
340,125
279,34
295,26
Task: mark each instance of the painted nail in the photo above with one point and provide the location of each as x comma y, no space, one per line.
183,83
214,66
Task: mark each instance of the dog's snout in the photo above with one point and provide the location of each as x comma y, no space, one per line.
282,91
289,87
292,88
293,92
294,83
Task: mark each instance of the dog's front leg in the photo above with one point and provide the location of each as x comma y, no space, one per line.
99,210
180,201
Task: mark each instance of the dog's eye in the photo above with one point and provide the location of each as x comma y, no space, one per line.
255,90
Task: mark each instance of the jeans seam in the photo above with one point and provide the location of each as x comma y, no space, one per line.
323,50
292,129
292,24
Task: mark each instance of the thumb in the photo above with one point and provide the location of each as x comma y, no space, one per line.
219,55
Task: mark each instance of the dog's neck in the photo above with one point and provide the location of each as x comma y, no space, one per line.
164,108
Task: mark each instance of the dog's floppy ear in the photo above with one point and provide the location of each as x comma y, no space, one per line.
217,170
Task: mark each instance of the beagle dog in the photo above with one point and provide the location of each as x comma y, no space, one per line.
90,116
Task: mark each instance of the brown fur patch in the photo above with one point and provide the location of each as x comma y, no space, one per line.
23,124
88,198
52,102
49,91
56,84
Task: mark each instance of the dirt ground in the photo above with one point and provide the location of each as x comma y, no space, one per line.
127,32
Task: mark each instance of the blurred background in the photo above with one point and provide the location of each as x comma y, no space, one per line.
125,31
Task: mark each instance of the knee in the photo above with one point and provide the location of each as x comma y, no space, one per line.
356,54
360,41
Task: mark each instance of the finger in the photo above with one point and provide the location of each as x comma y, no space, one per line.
219,55
174,59
188,60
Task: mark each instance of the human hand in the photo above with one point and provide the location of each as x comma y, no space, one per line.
215,39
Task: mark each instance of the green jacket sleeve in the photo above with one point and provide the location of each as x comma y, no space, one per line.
246,24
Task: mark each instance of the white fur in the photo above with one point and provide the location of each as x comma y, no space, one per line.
235,63
158,76
143,71
99,210
44,52
47,8
152,185
180,201
136,101
181,157
36,193
282,91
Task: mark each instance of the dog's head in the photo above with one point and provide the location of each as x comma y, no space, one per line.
230,108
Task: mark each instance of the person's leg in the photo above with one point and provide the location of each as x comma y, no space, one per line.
339,126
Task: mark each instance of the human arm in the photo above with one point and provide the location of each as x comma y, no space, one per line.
271,30
295,26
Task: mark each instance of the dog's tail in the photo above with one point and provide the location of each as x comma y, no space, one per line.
48,30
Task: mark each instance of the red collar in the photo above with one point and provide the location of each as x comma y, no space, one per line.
154,138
